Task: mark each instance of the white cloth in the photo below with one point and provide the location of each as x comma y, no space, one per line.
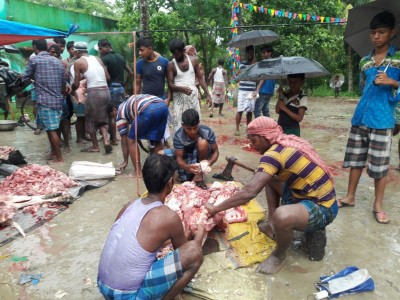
246,101
186,78
219,75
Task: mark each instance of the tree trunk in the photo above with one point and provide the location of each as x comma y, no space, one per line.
144,18
350,69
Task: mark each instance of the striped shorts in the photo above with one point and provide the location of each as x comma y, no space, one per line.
158,281
369,147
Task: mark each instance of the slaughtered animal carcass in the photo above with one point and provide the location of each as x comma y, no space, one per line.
188,200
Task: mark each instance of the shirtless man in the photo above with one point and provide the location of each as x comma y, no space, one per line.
128,265
98,96
181,80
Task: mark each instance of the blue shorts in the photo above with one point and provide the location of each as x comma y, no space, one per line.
158,281
67,109
320,216
117,93
151,122
49,119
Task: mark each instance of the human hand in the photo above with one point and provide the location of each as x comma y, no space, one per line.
382,79
210,209
281,105
186,90
280,89
194,169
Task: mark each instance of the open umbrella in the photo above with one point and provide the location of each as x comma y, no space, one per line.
254,37
15,32
279,68
333,78
356,33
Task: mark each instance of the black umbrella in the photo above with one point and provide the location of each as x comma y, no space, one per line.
279,68
357,29
254,37
9,49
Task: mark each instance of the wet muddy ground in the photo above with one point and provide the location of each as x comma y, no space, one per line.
66,249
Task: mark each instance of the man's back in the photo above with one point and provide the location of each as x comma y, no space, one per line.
49,75
115,64
124,262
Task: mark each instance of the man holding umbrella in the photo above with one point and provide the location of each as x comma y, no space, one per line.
373,120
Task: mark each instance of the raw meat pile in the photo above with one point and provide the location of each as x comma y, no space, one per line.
36,180
188,201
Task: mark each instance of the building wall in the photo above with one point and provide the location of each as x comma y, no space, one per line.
51,17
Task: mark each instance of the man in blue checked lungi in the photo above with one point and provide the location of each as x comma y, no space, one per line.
50,81
92,69
128,267
152,116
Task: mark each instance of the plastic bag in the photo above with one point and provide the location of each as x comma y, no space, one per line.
86,170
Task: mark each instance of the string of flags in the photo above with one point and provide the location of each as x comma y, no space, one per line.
273,12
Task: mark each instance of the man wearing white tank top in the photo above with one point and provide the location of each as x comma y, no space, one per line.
98,95
219,82
181,80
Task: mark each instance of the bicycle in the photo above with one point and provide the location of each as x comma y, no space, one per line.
27,107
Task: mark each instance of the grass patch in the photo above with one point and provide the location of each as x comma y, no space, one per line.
324,91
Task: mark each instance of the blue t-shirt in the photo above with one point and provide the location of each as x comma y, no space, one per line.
183,142
268,87
376,107
153,74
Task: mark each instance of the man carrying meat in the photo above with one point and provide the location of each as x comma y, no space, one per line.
128,268
291,170
92,69
193,143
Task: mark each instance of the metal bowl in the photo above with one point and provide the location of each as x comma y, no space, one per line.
7,125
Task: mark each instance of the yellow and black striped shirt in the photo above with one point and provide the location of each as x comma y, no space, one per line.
305,178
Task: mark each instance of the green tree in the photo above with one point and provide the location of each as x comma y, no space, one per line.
99,8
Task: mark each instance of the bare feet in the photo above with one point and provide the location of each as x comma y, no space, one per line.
346,201
49,156
121,168
67,149
55,161
134,174
271,265
114,142
179,297
265,227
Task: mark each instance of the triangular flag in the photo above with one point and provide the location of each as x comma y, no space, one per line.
255,8
272,12
286,14
262,9
308,17
322,19
276,12
269,11
332,20
241,4
294,16
290,15
304,17
313,17
300,16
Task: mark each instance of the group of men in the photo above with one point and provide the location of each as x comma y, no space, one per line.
298,185
56,83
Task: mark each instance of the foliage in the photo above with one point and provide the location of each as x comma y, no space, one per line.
202,16
98,8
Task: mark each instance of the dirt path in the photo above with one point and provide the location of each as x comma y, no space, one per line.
66,250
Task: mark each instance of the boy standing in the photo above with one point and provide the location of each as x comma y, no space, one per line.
265,88
291,105
373,120
246,92
219,82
